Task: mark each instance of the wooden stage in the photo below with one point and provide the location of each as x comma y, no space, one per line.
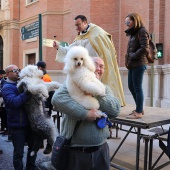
153,117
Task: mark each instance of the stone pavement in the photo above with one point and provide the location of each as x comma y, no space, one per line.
6,157
124,158
43,161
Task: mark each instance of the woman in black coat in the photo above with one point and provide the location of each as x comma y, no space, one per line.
136,60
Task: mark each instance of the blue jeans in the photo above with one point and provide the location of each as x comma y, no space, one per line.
135,79
20,136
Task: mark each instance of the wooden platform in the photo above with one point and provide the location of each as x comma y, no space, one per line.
153,116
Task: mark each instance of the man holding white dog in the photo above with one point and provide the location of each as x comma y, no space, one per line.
17,119
98,43
88,149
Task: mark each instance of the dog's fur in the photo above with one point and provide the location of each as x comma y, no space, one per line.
81,81
43,126
33,79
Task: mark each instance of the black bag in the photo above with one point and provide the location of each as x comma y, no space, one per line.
60,152
168,143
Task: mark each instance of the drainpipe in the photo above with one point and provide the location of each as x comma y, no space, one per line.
40,37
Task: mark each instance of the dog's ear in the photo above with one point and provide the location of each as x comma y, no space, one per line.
26,72
88,62
69,64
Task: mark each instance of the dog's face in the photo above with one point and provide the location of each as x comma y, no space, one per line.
78,56
31,71
78,61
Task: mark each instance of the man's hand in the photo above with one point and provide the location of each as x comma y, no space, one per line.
55,45
92,115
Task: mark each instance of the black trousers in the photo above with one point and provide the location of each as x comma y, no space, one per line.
3,117
98,160
20,136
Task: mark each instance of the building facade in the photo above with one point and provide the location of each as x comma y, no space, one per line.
16,46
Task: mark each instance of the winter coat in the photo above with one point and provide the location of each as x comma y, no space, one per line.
1,99
16,116
138,48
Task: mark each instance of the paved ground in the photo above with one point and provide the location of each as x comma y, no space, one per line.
6,157
124,158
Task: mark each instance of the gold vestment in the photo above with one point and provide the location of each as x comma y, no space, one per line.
102,43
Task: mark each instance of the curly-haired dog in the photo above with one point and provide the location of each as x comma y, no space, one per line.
42,125
32,78
81,81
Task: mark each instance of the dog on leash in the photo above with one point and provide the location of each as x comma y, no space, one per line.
41,124
81,81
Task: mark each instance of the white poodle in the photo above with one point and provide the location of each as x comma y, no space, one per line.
43,126
81,81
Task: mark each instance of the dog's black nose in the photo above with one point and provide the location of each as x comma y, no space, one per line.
79,63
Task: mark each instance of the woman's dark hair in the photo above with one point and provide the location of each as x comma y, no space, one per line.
82,17
137,20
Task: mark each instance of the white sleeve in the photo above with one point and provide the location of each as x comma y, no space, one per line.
62,51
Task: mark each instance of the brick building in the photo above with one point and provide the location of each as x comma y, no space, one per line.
58,19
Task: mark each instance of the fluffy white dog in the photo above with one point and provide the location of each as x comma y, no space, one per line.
81,81
32,77
43,126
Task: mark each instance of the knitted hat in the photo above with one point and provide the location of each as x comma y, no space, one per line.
41,64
